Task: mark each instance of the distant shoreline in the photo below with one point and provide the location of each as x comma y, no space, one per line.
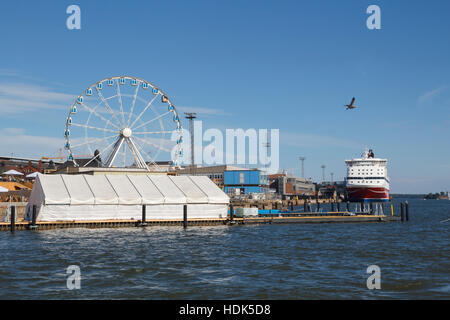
416,196
407,195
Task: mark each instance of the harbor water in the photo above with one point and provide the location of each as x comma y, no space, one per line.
296,261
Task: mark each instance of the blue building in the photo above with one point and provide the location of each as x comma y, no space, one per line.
244,181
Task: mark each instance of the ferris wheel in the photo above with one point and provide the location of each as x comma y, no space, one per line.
123,122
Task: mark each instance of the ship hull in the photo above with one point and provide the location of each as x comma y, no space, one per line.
367,194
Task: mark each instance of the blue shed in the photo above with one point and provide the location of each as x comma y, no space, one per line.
246,181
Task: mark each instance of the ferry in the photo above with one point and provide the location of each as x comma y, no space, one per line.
367,179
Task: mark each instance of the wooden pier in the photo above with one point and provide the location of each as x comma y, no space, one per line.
285,219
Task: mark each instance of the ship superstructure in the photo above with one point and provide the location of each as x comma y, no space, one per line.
367,179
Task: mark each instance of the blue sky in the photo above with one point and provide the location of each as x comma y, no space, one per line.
290,65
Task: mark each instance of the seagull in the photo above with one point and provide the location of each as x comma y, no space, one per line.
351,106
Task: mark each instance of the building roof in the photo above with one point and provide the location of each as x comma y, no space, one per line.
13,186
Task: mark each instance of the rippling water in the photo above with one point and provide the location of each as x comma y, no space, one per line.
300,261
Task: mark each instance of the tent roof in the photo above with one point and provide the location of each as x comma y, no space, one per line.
192,192
127,189
214,193
13,173
171,193
101,189
32,175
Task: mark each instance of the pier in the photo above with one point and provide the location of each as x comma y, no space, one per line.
282,218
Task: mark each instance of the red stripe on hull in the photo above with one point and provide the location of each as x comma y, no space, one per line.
357,193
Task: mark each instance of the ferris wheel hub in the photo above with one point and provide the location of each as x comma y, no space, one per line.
126,132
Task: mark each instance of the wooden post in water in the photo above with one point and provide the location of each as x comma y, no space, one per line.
348,206
407,210
185,216
402,211
33,225
318,205
332,206
13,218
231,213
371,208
144,216
338,206
304,205
292,206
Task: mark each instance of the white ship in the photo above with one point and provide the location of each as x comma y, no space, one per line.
367,178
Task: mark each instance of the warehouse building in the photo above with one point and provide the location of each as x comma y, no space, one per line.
244,181
290,187
232,179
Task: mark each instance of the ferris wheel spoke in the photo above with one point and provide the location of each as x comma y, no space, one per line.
91,127
154,119
92,141
99,115
143,111
148,157
133,103
107,105
120,102
155,132
100,153
152,144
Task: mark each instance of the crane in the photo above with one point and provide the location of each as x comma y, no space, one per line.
60,157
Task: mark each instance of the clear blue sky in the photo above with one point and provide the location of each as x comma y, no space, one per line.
290,65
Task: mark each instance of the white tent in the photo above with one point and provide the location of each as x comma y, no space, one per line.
101,197
32,175
13,173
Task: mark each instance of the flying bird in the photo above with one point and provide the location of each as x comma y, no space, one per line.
351,105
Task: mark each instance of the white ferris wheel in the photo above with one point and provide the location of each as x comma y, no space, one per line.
123,122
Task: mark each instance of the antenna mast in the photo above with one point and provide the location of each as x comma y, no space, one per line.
302,159
191,116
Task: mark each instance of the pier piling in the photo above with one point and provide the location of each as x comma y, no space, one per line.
292,206
348,206
402,211
332,206
185,216
32,225
338,206
144,216
407,210
231,213
13,218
